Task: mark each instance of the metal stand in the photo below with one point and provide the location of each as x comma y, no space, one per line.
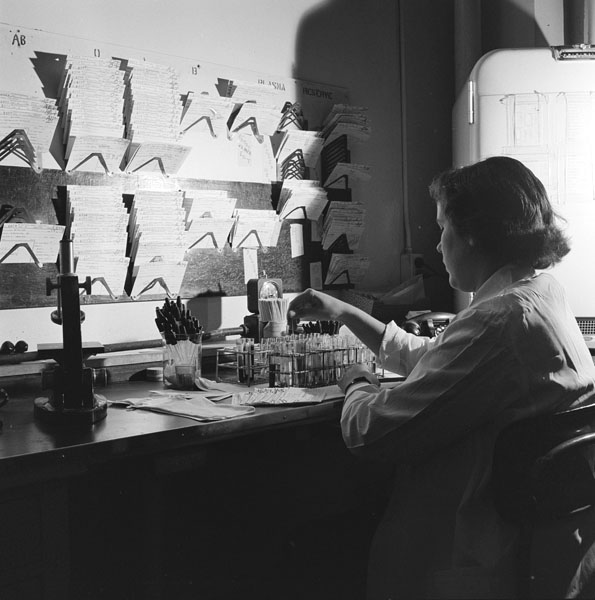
73,401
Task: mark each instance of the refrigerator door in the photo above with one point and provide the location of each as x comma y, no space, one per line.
540,109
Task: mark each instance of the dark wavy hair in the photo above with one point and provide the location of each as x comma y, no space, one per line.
500,205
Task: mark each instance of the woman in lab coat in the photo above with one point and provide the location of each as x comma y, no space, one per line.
515,352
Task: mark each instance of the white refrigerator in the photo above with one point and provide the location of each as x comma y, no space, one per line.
538,106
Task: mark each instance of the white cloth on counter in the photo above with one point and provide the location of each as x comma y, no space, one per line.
192,405
218,390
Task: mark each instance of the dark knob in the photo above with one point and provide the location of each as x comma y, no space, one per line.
21,346
7,348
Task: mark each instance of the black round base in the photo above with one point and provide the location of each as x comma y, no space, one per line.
45,410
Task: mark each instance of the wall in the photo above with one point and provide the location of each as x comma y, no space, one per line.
427,64
342,42
440,43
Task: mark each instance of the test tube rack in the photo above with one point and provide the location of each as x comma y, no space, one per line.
311,360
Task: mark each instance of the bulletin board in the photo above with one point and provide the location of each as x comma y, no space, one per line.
33,64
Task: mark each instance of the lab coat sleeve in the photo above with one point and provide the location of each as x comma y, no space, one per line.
463,381
400,351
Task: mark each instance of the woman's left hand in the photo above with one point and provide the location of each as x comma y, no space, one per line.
356,372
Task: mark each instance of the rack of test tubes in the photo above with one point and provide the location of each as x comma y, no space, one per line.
299,360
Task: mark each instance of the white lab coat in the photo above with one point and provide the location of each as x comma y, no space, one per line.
515,352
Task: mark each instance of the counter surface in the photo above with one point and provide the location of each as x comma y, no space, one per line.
28,445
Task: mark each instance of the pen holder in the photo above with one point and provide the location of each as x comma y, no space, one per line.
182,356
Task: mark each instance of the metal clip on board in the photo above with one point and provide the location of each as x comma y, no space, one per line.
158,280
253,125
105,284
26,246
292,117
333,153
17,143
339,246
294,166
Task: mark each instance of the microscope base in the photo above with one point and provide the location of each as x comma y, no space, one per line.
46,410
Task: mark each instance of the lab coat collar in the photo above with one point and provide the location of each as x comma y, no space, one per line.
501,279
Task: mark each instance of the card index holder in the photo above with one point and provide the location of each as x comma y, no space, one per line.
344,178
99,156
105,284
19,214
225,87
157,281
338,195
249,234
333,153
252,124
28,248
292,117
17,142
206,118
208,234
339,246
294,166
335,284
208,122
299,212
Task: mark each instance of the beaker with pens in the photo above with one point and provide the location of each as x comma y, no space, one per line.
181,333
182,357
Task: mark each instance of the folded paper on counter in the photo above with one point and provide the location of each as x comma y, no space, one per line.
287,395
192,405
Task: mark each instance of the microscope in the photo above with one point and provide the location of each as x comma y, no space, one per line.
72,401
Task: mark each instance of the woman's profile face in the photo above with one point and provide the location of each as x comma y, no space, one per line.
458,254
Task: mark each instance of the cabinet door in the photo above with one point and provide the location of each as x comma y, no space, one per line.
34,550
